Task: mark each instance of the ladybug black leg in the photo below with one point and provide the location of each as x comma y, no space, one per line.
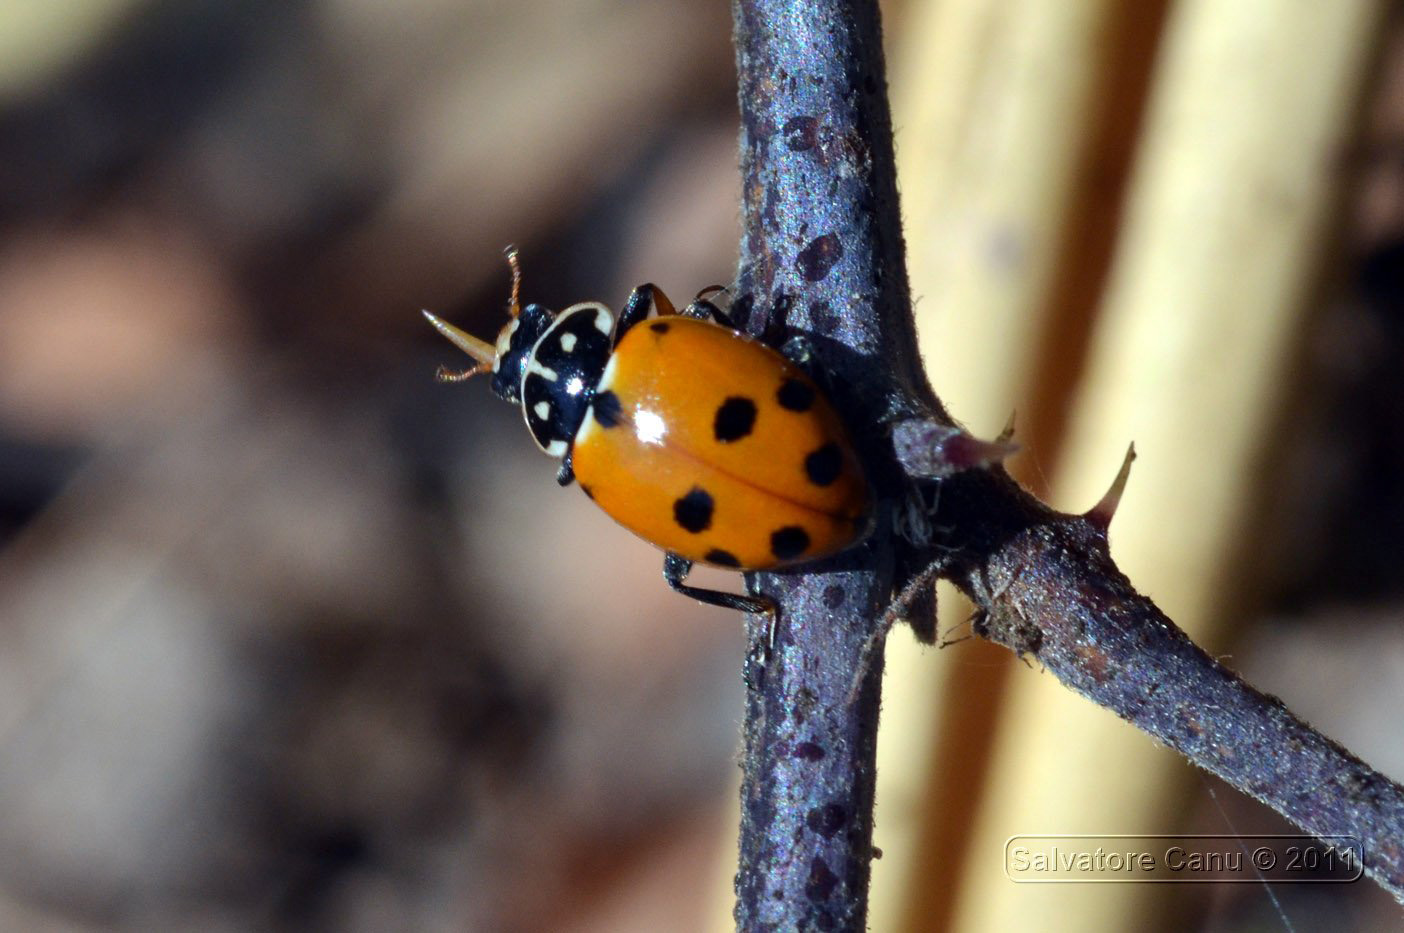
675,571
760,653
705,309
643,302
566,474
713,302
800,351
717,294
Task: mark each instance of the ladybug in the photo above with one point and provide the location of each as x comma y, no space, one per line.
698,438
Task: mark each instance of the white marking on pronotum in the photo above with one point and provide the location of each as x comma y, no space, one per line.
557,448
543,410
545,372
604,318
568,341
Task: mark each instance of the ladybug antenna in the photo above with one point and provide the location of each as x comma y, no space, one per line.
480,350
515,308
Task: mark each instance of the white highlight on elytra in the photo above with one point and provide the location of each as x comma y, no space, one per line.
574,385
650,427
543,410
568,342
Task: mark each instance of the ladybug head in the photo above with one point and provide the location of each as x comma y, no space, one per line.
507,360
514,345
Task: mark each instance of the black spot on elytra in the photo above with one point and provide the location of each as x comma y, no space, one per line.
824,465
809,751
826,820
659,327
821,255
801,133
821,882
833,596
795,395
607,409
788,542
721,558
694,510
735,419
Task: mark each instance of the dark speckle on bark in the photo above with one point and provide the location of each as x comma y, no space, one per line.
821,316
821,255
801,133
826,820
822,881
821,237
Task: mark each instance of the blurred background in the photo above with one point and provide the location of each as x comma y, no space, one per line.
292,637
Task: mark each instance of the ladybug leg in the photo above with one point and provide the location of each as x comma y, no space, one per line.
760,653
675,571
644,302
715,301
717,294
916,605
800,351
704,308
566,474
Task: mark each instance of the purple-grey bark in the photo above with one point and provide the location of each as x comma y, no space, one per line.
822,255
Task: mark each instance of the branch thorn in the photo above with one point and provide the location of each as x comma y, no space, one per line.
932,449
1100,515
1008,433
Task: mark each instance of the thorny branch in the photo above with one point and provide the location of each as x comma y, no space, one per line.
822,254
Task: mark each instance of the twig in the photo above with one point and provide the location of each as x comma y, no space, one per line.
1047,587
822,253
